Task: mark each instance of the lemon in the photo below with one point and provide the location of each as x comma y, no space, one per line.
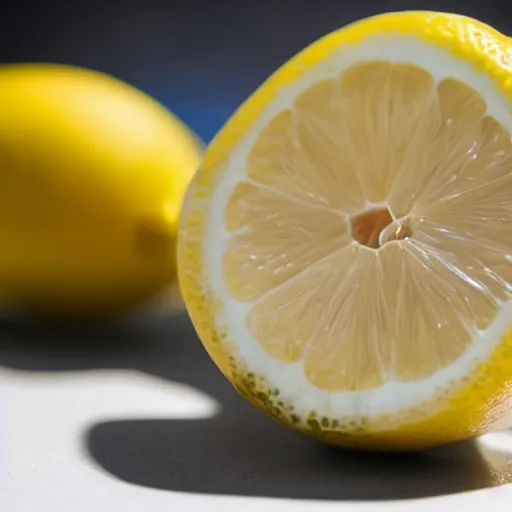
345,250
93,175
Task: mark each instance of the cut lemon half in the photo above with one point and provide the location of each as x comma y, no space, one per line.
345,250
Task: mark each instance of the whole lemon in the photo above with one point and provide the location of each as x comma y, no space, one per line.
93,172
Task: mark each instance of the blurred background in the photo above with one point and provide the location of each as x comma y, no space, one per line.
200,58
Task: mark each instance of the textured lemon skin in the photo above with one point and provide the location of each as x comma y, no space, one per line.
93,176
479,403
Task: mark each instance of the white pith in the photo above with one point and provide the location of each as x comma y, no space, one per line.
290,379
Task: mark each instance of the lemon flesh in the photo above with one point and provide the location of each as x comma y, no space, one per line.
361,288
93,175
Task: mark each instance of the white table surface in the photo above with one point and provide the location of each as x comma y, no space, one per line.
135,417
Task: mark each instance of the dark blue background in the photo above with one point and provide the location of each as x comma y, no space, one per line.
200,58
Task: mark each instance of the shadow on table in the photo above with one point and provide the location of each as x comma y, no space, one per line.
239,452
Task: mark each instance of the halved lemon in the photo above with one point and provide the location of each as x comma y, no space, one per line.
345,251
